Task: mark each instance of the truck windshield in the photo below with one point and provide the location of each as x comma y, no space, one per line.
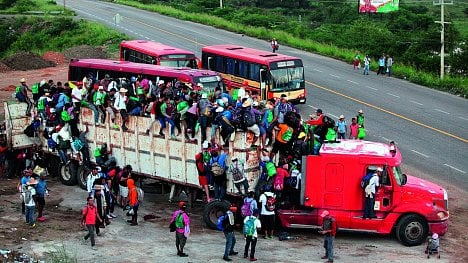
398,174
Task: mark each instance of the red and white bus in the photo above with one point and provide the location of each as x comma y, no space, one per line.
149,52
79,68
269,74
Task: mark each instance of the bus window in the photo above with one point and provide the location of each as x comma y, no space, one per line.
254,72
220,64
243,69
230,66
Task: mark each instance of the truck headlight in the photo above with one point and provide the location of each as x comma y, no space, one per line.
442,215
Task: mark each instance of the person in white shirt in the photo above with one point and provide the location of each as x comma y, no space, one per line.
92,176
267,214
28,196
121,105
77,96
370,194
251,240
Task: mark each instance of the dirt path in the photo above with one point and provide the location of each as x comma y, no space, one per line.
152,242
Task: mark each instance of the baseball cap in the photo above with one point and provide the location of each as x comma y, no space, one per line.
319,111
324,213
182,204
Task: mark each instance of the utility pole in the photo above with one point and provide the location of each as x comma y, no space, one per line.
221,4
442,23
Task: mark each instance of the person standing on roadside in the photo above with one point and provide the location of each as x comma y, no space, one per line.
274,45
389,65
89,216
228,225
182,223
341,128
254,224
329,232
29,195
366,65
381,69
133,201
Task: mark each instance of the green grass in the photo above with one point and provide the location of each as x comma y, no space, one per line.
62,255
25,6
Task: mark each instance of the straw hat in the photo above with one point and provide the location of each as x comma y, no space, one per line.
247,103
22,80
123,90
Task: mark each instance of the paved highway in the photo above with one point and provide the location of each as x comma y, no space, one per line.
429,127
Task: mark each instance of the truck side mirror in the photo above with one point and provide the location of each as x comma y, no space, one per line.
404,179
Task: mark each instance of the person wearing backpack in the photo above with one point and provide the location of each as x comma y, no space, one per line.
182,224
267,214
227,226
89,215
283,136
251,226
329,231
238,176
249,205
133,199
218,173
29,194
370,190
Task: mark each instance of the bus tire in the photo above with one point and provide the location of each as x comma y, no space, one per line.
68,173
213,210
82,176
412,230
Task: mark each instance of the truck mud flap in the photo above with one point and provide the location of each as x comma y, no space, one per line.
212,211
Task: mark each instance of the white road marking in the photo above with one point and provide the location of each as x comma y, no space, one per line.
456,169
354,82
388,140
415,102
317,70
311,106
463,118
334,76
369,87
422,154
334,116
396,96
442,111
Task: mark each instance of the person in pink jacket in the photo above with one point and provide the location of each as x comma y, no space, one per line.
182,223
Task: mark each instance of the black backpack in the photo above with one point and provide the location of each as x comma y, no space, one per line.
247,119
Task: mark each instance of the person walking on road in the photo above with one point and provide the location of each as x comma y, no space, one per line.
88,218
329,232
228,225
251,227
366,65
182,223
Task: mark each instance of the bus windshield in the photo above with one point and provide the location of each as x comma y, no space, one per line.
287,79
190,63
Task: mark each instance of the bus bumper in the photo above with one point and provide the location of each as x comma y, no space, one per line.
298,101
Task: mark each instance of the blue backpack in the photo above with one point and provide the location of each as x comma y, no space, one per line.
220,224
249,226
51,143
365,180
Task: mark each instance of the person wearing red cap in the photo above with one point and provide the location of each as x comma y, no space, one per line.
329,231
182,223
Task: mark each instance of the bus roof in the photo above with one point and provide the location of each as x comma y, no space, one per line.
138,68
154,48
247,54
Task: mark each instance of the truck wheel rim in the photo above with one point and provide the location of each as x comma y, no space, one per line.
413,231
66,174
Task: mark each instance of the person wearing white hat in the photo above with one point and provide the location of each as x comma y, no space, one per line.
120,104
329,232
22,95
370,191
341,128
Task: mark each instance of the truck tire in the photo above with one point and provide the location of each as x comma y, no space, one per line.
54,165
412,230
82,176
212,211
68,173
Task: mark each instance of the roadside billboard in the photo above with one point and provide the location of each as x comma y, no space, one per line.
378,6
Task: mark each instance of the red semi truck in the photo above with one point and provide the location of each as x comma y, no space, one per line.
409,206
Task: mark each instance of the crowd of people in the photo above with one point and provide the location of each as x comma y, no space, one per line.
280,137
385,63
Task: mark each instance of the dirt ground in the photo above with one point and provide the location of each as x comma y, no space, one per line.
151,241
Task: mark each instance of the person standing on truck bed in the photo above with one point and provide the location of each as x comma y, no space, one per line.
370,194
121,105
329,232
204,113
22,95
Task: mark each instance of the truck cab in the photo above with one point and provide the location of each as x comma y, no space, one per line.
410,206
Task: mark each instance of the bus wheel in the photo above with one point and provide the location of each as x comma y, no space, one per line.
82,176
412,230
212,211
68,173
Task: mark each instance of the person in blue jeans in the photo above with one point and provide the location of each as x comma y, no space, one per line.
341,128
28,197
228,225
219,180
329,231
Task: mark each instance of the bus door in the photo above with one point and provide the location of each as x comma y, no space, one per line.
263,84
